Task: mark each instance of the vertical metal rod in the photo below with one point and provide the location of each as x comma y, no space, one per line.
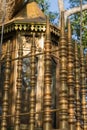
86,71
63,94
83,90
19,86
77,89
33,84
70,80
6,88
47,99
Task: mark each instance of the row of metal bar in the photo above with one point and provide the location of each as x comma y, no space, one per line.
73,104
72,107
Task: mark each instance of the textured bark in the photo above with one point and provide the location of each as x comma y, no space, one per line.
9,8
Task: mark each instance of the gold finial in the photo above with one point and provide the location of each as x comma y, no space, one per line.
62,24
47,29
69,30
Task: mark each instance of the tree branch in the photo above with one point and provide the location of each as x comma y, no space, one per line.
74,10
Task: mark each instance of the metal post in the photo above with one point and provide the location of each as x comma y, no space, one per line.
6,88
33,84
19,86
63,94
77,89
47,123
70,80
83,90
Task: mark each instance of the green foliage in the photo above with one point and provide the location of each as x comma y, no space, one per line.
75,19
45,5
74,3
53,17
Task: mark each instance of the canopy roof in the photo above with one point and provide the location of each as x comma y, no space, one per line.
31,11
29,18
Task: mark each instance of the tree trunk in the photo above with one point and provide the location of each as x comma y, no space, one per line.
61,5
71,11
75,10
9,7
